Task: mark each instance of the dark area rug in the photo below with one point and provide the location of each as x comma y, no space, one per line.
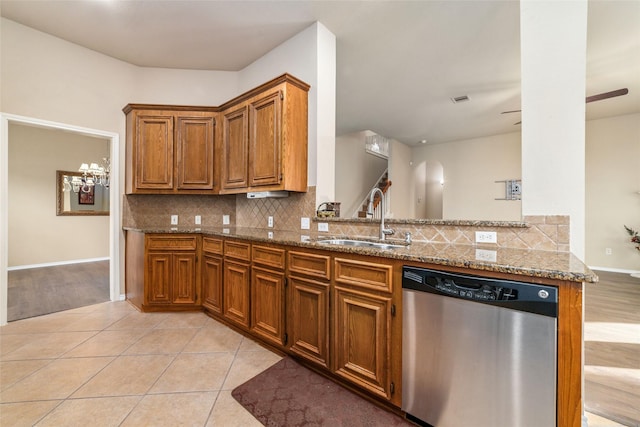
288,395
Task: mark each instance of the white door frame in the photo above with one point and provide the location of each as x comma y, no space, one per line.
114,201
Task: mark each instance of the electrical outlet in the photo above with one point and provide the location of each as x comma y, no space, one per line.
225,219
270,235
305,224
608,251
198,220
486,255
486,237
270,222
323,226
174,219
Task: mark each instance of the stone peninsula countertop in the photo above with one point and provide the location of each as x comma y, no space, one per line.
524,262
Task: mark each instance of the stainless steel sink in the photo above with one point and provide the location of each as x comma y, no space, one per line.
359,243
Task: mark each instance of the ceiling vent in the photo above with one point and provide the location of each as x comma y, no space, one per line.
459,99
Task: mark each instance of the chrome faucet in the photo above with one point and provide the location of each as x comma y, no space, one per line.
383,231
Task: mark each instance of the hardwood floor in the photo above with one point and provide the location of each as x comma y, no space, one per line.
38,291
612,348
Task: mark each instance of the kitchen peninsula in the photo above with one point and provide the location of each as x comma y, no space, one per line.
336,308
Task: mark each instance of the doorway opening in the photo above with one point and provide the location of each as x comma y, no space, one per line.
82,250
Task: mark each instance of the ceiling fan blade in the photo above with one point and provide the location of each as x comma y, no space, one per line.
607,95
512,111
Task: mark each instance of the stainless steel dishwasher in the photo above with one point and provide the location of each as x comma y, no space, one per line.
478,352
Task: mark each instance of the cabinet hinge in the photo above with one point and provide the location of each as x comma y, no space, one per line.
286,338
286,282
393,309
281,95
392,387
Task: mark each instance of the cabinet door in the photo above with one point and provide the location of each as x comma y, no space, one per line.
158,278
212,283
184,287
154,152
309,328
362,334
265,140
235,147
236,292
194,147
267,305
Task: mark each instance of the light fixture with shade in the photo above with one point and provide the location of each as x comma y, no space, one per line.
92,174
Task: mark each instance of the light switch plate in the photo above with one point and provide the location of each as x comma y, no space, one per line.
225,219
198,220
174,219
323,226
270,222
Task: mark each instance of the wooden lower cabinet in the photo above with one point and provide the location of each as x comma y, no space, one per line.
236,292
211,274
309,313
362,349
212,283
267,305
162,271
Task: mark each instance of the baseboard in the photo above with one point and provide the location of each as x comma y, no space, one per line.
53,264
614,270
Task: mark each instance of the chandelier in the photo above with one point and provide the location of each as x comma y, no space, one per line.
92,174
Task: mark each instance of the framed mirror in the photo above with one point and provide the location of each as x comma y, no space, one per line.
78,199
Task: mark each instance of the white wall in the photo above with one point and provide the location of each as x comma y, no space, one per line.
36,234
47,78
400,196
612,191
471,168
356,171
309,56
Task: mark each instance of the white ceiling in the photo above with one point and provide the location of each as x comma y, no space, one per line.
399,62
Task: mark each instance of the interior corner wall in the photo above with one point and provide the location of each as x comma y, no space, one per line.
36,234
356,171
612,191
400,200
471,168
310,56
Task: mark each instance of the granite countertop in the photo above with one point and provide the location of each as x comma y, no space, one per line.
525,262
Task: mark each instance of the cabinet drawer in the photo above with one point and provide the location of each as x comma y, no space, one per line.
272,257
367,275
172,242
239,250
212,246
309,264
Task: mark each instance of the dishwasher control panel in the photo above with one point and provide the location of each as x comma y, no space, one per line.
506,293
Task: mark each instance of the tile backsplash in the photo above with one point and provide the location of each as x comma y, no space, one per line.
144,211
549,233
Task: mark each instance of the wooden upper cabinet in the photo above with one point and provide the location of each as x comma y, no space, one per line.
235,153
170,152
260,143
154,152
264,138
194,148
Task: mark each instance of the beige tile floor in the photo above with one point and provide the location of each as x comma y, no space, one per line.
110,365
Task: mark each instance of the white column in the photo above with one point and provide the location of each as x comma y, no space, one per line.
326,123
553,60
